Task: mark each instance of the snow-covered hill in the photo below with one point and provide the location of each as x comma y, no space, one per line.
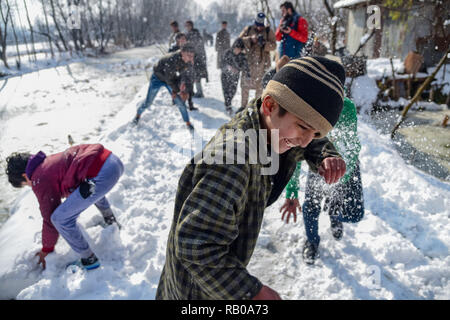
400,250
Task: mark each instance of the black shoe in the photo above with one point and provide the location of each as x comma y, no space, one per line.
337,228
199,95
190,127
192,108
310,252
90,263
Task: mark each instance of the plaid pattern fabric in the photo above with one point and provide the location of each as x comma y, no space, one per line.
219,210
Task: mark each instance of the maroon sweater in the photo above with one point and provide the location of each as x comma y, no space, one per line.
57,176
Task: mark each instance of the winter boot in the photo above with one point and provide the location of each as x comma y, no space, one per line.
89,263
190,126
337,227
310,252
191,105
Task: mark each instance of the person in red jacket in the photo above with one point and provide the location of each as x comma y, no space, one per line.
83,174
292,32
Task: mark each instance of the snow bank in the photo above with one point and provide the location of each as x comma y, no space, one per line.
380,67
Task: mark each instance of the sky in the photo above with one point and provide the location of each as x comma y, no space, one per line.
204,3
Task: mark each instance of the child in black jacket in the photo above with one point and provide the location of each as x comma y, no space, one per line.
234,61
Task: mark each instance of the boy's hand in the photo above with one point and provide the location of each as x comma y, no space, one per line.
267,294
184,95
332,169
42,256
287,30
290,207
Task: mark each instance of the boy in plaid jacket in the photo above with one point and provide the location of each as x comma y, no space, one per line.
219,207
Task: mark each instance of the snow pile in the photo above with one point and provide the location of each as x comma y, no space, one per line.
420,105
398,251
348,3
381,67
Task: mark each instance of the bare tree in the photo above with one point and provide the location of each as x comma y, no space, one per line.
47,29
57,25
16,40
4,32
25,40
33,47
333,25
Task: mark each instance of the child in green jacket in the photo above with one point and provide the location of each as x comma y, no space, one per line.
343,201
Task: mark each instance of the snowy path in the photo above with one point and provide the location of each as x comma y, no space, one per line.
403,238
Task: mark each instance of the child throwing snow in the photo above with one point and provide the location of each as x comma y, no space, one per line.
343,201
167,73
83,174
233,63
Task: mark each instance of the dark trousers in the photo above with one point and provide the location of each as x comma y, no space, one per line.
344,202
229,86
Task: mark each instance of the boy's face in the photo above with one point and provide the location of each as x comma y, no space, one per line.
188,57
285,12
182,41
293,131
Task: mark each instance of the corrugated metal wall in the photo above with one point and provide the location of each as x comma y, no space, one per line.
397,37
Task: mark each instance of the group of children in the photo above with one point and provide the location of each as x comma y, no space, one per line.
219,207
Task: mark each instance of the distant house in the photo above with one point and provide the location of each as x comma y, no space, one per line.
423,26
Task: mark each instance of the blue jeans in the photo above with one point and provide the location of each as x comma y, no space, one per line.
153,88
345,202
292,49
64,218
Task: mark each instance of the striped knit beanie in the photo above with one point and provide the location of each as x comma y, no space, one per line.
312,88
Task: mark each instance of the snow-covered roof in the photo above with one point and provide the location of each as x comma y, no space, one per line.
347,3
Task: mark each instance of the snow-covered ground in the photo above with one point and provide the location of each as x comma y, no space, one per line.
40,109
400,250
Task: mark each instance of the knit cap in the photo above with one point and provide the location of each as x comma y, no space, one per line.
259,21
311,88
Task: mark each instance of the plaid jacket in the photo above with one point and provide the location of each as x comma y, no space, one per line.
218,214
